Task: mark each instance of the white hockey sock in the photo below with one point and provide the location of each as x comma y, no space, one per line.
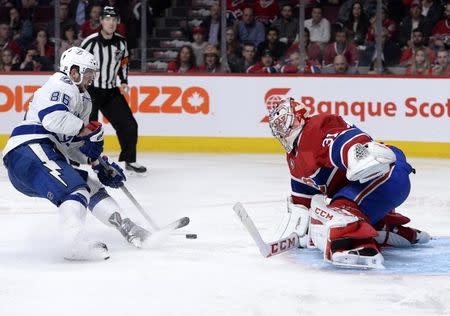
103,206
72,219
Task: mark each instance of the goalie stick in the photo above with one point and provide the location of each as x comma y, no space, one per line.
266,249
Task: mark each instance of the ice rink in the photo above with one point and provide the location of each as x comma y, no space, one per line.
221,272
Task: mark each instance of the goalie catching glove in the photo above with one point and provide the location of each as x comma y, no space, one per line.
369,161
109,174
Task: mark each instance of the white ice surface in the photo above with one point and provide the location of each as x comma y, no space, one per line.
221,272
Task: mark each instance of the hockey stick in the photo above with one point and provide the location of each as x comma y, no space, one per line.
172,226
266,249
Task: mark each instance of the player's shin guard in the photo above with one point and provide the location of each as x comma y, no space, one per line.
105,208
343,234
72,220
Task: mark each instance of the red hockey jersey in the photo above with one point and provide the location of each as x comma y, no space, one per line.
319,162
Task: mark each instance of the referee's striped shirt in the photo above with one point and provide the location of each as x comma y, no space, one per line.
112,55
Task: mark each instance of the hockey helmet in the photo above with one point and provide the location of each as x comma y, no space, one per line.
286,120
76,56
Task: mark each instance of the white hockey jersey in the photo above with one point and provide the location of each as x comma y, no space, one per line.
58,111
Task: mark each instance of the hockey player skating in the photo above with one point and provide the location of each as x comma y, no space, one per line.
55,133
345,187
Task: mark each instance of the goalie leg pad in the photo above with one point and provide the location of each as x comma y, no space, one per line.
391,232
345,238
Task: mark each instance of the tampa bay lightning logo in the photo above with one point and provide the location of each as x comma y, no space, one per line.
66,79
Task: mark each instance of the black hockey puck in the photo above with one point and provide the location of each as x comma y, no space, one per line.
191,236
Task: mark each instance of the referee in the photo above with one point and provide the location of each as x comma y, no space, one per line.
111,51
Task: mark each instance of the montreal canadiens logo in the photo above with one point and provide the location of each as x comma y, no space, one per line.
272,98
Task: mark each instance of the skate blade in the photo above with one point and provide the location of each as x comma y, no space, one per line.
134,174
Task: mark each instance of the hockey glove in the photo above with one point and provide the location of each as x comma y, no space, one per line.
93,141
109,174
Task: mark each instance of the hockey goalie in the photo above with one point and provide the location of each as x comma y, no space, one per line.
345,187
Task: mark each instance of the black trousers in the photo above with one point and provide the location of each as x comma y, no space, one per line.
114,107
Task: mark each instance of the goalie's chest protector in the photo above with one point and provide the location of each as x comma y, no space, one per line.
309,162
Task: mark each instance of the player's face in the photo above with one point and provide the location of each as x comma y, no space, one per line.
88,78
109,24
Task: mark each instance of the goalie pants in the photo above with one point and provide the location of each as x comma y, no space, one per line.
115,108
378,197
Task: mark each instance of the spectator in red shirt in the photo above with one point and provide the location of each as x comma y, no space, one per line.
293,65
387,23
185,61
236,8
340,47
416,43
43,45
441,31
312,49
265,65
421,64
212,61
5,39
92,25
266,11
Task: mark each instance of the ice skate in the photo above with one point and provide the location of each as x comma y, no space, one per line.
392,232
86,250
133,233
135,167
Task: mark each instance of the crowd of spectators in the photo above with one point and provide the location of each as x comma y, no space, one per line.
27,28
262,36
340,37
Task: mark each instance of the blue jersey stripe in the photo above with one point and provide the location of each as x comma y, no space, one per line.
50,109
339,142
29,129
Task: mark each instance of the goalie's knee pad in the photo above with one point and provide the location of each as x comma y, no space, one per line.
341,232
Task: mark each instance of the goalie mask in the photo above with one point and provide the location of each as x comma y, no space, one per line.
76,56
286,120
